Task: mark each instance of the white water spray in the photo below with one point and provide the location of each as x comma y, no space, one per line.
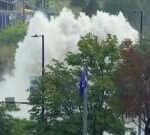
61,35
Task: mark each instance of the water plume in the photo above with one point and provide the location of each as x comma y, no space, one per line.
62,34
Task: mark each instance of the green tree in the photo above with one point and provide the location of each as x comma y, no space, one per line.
9,38
20,126
88,6
6,119
133,79
61,97
91,7
78,3
60,100
12,35
101,58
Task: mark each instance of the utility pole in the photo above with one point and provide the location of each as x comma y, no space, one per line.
141,42
43,109
141,27
85,112
43,59
83,93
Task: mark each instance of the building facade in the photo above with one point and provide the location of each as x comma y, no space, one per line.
13,11
5,5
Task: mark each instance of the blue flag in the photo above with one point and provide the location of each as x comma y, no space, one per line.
83,82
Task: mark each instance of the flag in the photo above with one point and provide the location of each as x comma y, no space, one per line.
83,81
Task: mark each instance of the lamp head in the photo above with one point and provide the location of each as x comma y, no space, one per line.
35,35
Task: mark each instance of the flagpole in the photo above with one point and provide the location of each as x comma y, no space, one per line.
85,112
84,94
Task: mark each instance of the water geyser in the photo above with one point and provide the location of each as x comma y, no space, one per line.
62,34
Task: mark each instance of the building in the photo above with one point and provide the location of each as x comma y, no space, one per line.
6,4
12,11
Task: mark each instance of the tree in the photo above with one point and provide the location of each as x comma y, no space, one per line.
6,119
78,3
91,7
9,38
61,98
20,126
12,35
101,58
88,6
4,122
133,78
60,101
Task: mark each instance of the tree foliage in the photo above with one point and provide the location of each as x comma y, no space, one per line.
9,38
60,100
12,35
63,107
133,78
6,118
101,58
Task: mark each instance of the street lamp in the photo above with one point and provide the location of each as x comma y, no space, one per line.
43,109
42,51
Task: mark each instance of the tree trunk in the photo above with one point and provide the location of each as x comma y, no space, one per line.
147,127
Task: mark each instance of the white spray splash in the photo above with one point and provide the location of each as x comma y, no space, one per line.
61,35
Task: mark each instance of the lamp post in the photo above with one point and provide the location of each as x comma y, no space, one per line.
43,109
83,92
